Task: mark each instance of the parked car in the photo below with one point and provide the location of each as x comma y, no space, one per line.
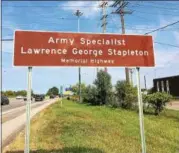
39,97
4,100
19,97
52,96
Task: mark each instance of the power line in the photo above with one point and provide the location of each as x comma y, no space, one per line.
162,27
166,44
166,8
6,52
154,13
16,6
7,39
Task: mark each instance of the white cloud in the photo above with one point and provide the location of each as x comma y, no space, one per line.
90,10
7,46
11,26
166,57
176,34
164,21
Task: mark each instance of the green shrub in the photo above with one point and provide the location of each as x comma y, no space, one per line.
113,101
90,95
126,95
157,100
74,98
151,90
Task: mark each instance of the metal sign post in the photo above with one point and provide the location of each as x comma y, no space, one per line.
61,93
141,116
28,109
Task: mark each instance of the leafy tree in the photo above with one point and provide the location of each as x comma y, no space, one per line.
53,91
9,93
21,93
90,95
126,94
151,90
103,88
158,101
75,88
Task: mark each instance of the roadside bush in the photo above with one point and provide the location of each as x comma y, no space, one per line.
75,98
151,90
113,101
126,95
90,95
146,105
157,100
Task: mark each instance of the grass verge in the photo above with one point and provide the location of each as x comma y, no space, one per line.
78,128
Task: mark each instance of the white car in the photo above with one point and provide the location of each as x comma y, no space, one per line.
19,97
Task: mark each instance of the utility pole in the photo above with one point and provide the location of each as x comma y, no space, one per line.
120,10
131,74
103,5
78,14
145,82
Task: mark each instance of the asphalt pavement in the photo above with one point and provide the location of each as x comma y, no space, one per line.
17,107
13,103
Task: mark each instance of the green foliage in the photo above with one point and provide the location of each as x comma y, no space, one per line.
10,93
100,93
126,95
74,98
75,88
53,91
151,90
157,100
21,93
90,95
103,88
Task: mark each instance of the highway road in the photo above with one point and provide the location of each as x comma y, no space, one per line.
17,107
14,103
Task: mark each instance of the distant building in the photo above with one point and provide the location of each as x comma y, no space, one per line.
167,84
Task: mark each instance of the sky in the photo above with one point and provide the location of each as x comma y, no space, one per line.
58,16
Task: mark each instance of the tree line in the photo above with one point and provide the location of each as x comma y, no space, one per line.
10,93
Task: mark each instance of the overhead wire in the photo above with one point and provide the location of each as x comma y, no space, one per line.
158,7
166,44
162,27
47,6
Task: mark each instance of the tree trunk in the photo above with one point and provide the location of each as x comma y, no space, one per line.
157,111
